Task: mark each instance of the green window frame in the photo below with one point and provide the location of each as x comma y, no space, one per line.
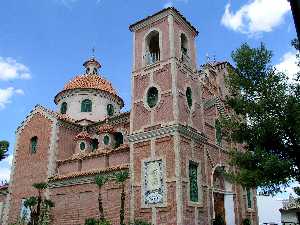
189,96
249,199
193,179
64,108
110,110
86,105
106,140
152,97
82,146
33,144
218,128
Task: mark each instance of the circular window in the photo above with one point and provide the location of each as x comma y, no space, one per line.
152,97
110,109
189,98
82,146
106,140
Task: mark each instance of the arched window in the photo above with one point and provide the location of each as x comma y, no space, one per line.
106,140
95,144
33,144
184,44
86,105
152,48
63,108
152,97
110,109
189,97
119,139
82,146
218,133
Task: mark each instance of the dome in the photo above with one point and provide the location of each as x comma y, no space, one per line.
90,81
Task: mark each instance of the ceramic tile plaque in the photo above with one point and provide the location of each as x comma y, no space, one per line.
153,183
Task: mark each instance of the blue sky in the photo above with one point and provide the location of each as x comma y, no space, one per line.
43,43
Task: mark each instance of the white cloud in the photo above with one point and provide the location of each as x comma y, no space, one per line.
7,94
255,17
10,69
288,65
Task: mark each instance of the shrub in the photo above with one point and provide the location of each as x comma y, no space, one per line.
93,221
104,222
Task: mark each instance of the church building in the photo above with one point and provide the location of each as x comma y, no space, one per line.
170,141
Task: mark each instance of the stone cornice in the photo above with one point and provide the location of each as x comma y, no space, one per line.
186,131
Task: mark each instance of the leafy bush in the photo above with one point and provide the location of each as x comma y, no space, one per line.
93,221
140,222
246,221
104,222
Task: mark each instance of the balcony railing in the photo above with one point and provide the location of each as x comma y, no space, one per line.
151,57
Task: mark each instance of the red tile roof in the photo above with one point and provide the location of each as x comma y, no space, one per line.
82,136
106,128
92,81
89,173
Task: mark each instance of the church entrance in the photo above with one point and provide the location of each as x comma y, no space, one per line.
219,205
223,203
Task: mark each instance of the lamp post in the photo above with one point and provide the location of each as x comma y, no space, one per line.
295,6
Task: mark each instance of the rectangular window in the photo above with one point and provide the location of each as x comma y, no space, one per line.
249,199
193,177
218,132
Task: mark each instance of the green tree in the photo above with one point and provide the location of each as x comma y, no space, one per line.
3,149
266,120
100,180
40,187
39,207
31,203
121,177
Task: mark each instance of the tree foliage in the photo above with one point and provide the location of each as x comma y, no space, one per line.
39,206
3,149
121,177
100,180
266,120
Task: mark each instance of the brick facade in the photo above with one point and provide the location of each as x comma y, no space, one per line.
159,143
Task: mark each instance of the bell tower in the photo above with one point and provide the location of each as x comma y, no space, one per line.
166,121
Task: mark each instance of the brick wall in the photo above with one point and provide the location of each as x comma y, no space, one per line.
30,168
74,204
